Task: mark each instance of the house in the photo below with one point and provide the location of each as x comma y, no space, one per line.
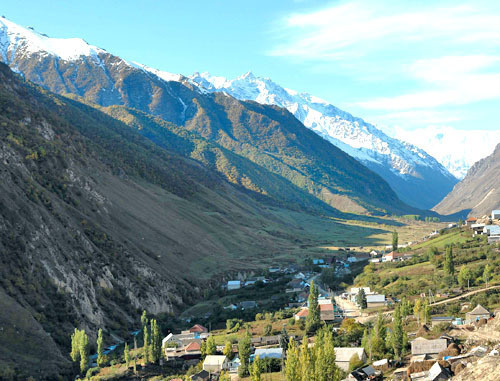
166,339
395,256
422,346
200,376
381,365
302,314
234,364
197,328
477,228
248,304
361,374
373,253
265,341
344,355
491,230
233,285
400,374
272,353
495,214
193,347
469,221
477,313
375,300
215,363
435,320
326,312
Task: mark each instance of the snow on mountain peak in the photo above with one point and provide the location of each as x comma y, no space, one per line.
353,135
15,38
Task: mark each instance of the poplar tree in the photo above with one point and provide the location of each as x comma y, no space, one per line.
126,355
228,350
306,361
146,345
84,351
292,365
487,273
75,345
417,308
394,241
244,352
100,357
211,348
144,319
284,339
255,370
313,319
449,266
361,299
397,333
155,341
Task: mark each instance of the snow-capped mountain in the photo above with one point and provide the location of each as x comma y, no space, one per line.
456,149
402,164
74,66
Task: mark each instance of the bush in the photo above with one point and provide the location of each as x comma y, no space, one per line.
92,372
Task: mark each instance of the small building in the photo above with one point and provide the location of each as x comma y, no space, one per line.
435,320
302,314
400,374
438,373
477,228
491,230
272,353
469,221
381,365
233,285
477,313
361,374
248,304
215,363
234,364
373,253
375,300
326,312
344,355
495,214
422,346
198,328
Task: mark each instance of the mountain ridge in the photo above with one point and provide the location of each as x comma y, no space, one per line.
110,80
403,165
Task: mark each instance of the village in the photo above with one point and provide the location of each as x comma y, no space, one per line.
436,346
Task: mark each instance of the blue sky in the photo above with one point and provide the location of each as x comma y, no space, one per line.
402,66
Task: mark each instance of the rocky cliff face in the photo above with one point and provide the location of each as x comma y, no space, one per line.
479,192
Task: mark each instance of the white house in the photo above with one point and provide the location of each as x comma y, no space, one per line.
233,285
375,300
495,214
344,355
215,363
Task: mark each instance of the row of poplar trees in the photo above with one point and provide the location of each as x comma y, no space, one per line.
151,349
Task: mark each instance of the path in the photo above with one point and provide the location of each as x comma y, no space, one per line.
463,296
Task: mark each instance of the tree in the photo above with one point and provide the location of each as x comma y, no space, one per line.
155,341
244,352
361,299
313,320
84,351
144,319
378,337
397,333
394,240
366,343
146,345
355,362
417,309
464,276
306,360
284,339
292,365
268,328
211,346
228,350
100,357
488,270
75,345
126,355
426,313
203,349
449,266
255,369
